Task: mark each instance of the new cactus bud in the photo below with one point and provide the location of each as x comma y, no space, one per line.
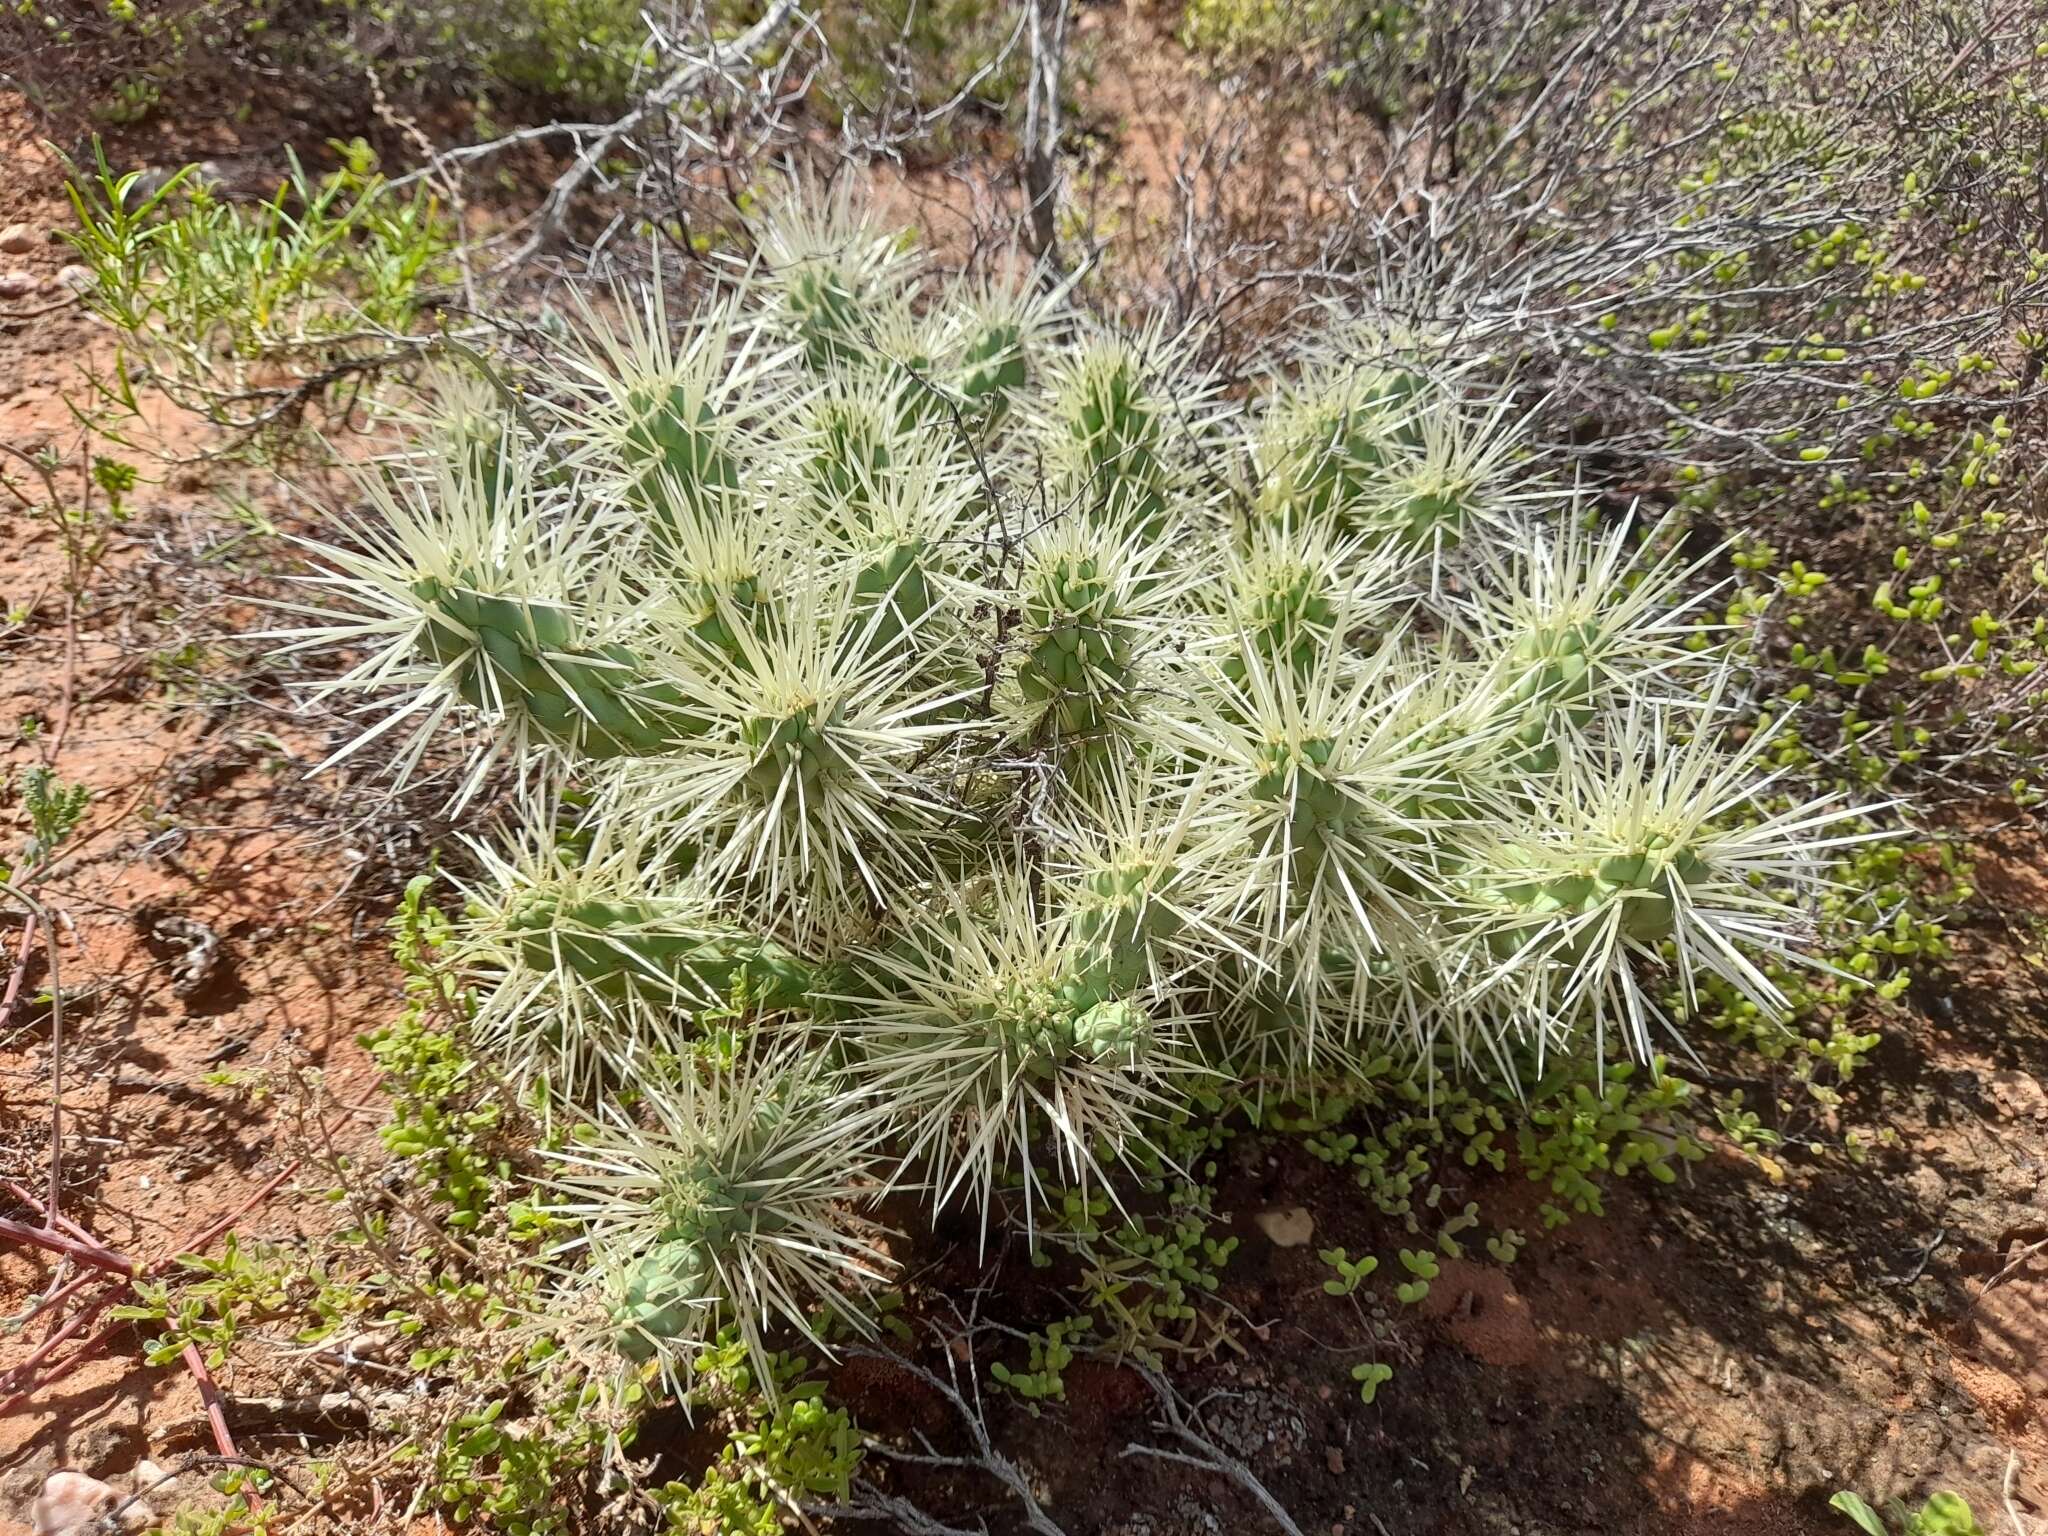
1114,437
1583,620
1138,871
1082,655
888,501
664,1299
853,435
1287,587
994,337
682,448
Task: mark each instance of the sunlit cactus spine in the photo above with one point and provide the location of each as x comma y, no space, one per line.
1458,482
1099,616
797,799
997,338
1580,621
725,1206
997,1039
889,501
590,963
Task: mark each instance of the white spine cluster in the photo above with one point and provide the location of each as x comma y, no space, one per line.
935,668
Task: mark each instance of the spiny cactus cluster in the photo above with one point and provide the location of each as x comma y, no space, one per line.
990,729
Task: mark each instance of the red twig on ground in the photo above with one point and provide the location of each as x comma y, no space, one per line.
28,942
61,1236
209,1394
55,1240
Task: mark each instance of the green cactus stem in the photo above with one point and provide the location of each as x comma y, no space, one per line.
521,655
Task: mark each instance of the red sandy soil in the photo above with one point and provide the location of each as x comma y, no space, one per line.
202,828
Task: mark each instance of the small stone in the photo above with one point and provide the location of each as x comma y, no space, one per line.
149,1478
17,239
75,277
1287,1227
16,285
371,1345
1334,1460
72,1504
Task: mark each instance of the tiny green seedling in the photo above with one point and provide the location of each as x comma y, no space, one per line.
1944,1514
1423,1266
1370,1379
1350,1272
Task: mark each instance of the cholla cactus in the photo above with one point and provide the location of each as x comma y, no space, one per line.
994,336
1097,608
470,590
666,416
1580,621
728,1207
589,964
1457,483
1144,872
1290,583
832,275
1124,424
997,1031
1327,436
796,797
971,678
1640,854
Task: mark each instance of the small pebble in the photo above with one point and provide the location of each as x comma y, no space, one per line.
149,1478
16,285
72,1504
17,239
369,1345
75,277
1287,1227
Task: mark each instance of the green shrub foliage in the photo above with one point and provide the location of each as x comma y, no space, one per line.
953,732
